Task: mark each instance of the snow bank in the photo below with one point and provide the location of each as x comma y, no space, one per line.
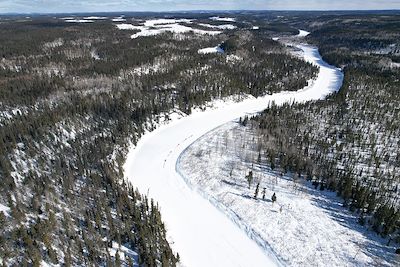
210,50
202,234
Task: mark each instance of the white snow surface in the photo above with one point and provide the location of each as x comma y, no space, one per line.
157,26
197,230
118,19
209,50
304,226
94,18
303,33
156,22
223,19
152,28
221,27
4,209
126,26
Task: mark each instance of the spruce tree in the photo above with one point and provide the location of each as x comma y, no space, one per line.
257,188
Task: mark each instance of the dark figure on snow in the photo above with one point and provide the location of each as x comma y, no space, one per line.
273,198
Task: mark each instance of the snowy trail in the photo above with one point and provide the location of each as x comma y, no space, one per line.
198,231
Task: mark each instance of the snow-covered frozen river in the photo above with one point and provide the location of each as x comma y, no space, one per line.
198,231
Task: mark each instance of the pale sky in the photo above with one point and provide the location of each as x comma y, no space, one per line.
67,6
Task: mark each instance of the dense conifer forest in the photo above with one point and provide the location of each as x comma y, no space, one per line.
74,97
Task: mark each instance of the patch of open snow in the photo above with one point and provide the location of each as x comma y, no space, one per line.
304,226
202,234
221,27
124,252
395,65
4,209
79,20
118,19
158,26
157,22
67,18
275,38
223,19
95,18
256,28
303,33
210,50
170,27
125,26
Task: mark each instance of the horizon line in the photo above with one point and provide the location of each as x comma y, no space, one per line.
201,10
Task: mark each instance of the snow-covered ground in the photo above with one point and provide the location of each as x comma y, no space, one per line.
209,50
126,26
303,33
226,19
221,27
305,227
95,18
157,26
118,19
202,234
4,209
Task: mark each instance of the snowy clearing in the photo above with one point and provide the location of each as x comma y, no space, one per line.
221,27
223,19
118,19
157,22
202,234
125,26
158,26
303,33
94,18
209,50
304,227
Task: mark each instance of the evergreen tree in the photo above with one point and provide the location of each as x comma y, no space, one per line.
257,188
